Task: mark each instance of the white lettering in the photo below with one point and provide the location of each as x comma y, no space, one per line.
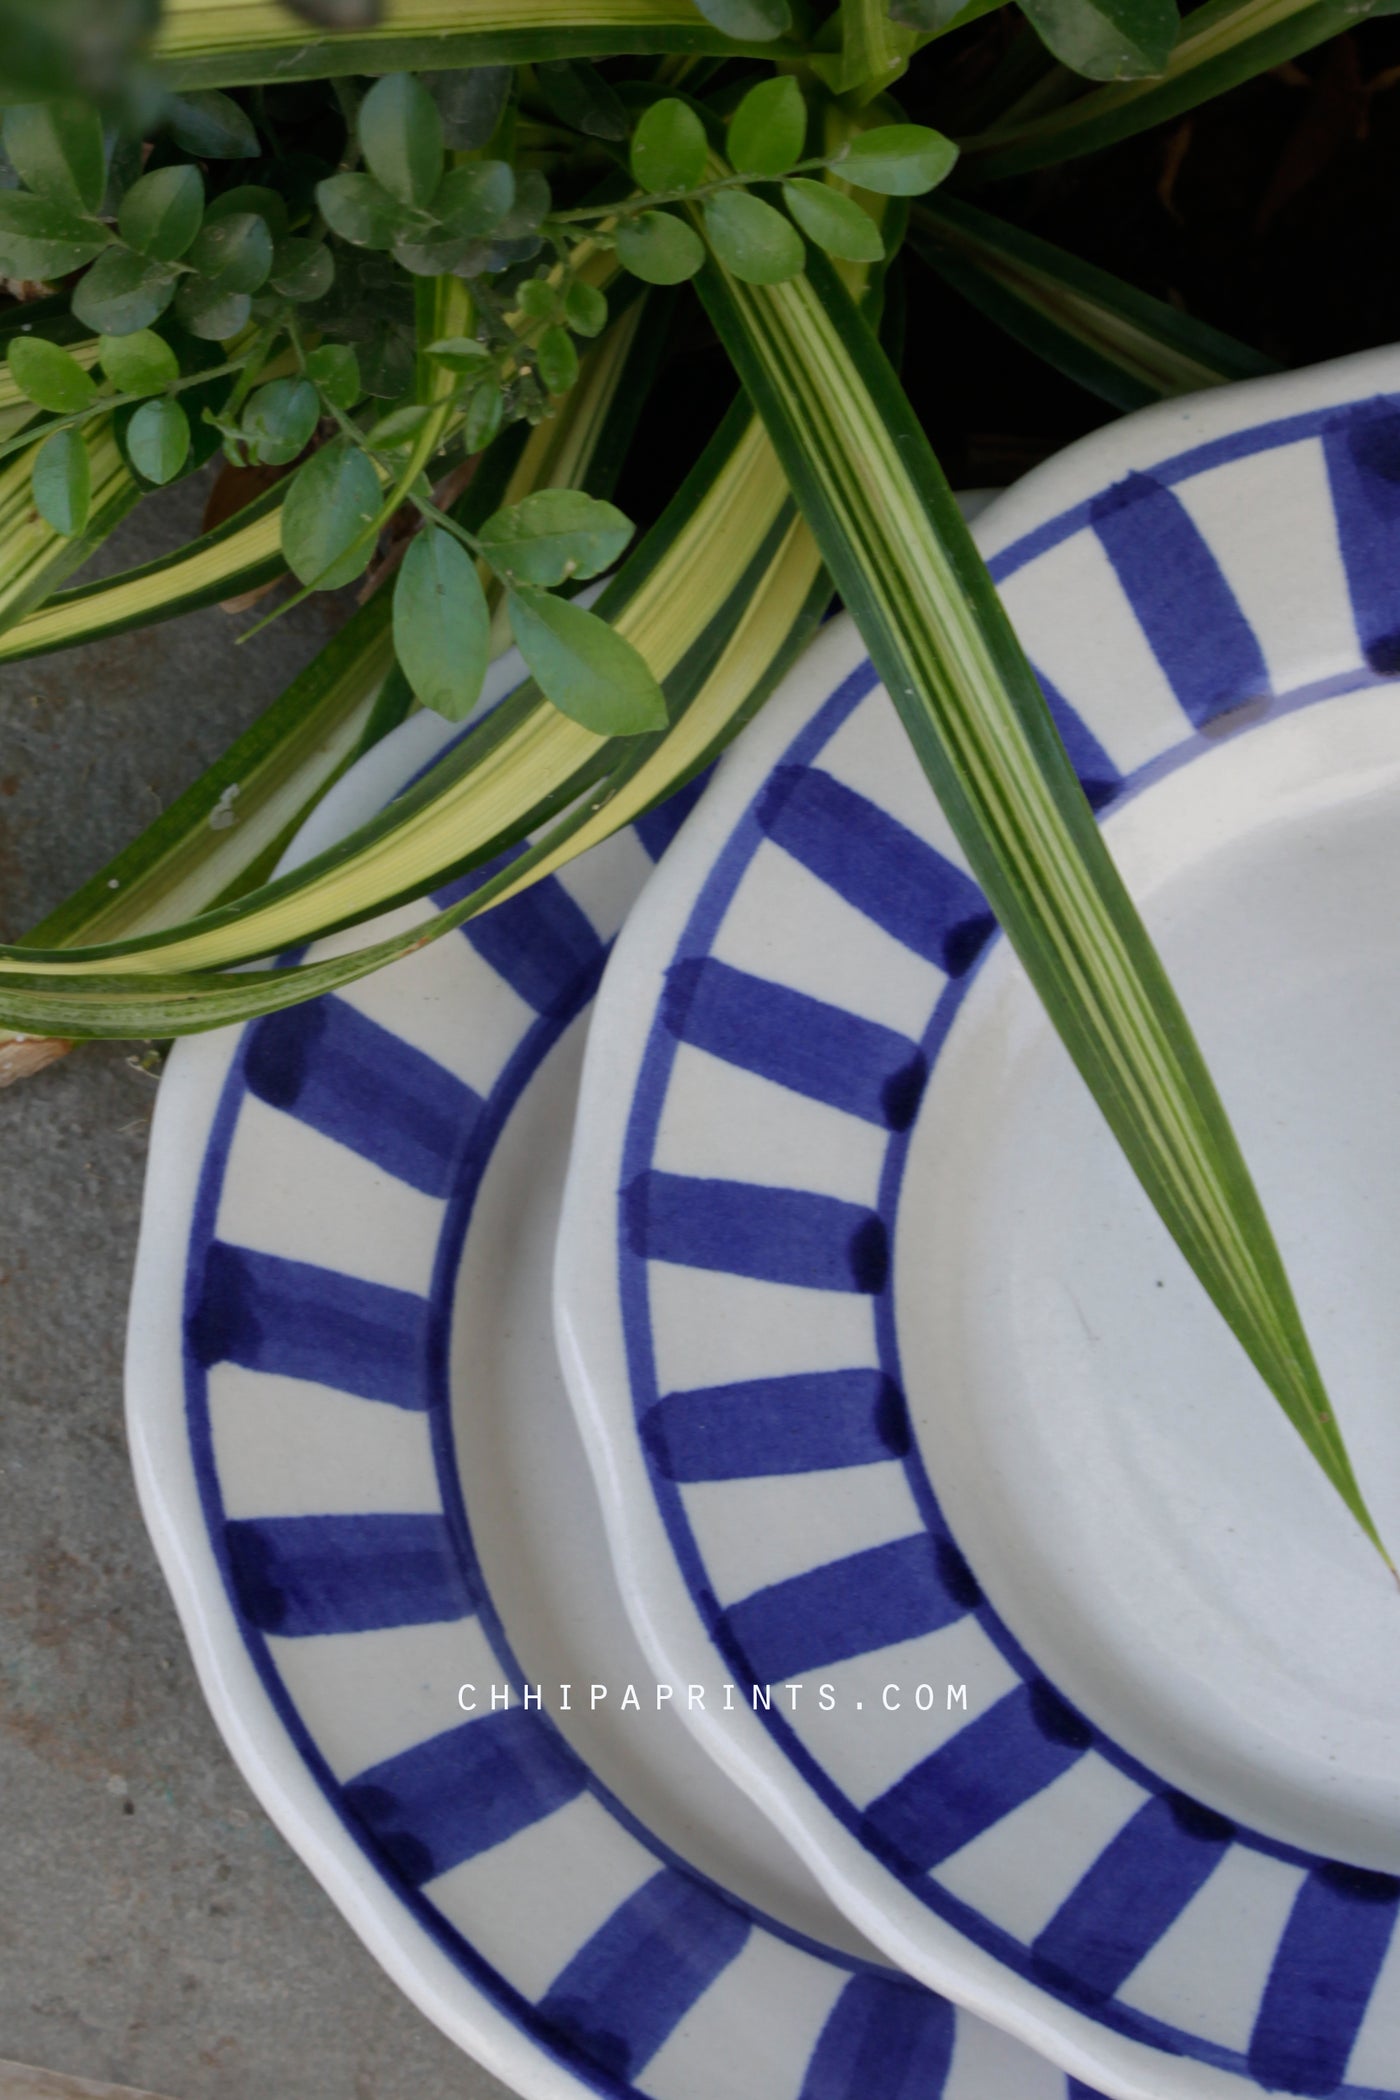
885,1699
794,1689
695,1696
500,1696
468,1706
957,1696
595,1693
629,1698
826,1697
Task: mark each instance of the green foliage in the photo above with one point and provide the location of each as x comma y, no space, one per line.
584,666
158,440
329,509
756,243
62,482
768,128
40,239
441,624
141,363
56,150
161,212
898,160
668,147
124,291
49,376
280,420
835,222
553,536
1107,39
401,138
659,248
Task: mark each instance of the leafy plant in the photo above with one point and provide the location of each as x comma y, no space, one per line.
425,294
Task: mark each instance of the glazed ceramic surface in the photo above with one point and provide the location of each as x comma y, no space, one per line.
1053,1651
361,1473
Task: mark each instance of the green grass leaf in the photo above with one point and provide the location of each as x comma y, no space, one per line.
330,502
62,483
553,535
769,128
889,528
587,669
752,240
441,624
668,147
49,376
756,20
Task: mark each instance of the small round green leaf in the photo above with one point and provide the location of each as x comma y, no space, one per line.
302,269
754,242
471,103
331,505
580,97
359,210
659,248
142,363
280,420
335,369
752,21
401,137
56,150
49,377
161,212
896,160
472,202
485,413
556,360
209,312
586,309
396,431
441,624
123,292
769,128
537,299
589,671
211,125
62,483
834,221
233,254
461,353
158,440
251,196
40,239
668,147
552,535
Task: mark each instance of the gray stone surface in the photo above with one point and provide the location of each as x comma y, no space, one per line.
155,1930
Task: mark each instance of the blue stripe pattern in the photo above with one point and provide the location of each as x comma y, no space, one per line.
1322,1978
878,865
657,827
364,1086
462,1793
884,2039
854,1606
806,1423
1098,776
747,1229
999,1761
1134,1892
802,1044
346,1574
1199,636
1362,448
300,1321
632,1984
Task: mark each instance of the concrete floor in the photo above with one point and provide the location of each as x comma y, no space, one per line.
155,1931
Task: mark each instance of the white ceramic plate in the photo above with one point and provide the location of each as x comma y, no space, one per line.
361,1474
891,1377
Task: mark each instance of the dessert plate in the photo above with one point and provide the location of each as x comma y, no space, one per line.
360,1470
1053,1652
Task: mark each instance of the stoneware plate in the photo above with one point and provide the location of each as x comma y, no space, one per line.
897,1391
360,1470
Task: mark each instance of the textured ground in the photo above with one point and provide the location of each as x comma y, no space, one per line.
155,1931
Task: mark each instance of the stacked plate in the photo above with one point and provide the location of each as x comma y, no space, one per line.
960,1657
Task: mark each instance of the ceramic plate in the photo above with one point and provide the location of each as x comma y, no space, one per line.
362,1477
1053,1652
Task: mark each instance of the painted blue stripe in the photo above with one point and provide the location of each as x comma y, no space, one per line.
747,1229
1361,444
884,2038
1135,1890
804,1044
1098,776
462,1793
346,1574
853,1606
542,943
627,1989
362,1085
657,827
808,1423
1322,1978
292,1318
1205,646
1011,1752
885,870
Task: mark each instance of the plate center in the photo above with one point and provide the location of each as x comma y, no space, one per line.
1138,1510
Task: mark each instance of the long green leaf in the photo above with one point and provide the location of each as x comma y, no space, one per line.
890,531
209,43
1118,342
1222,44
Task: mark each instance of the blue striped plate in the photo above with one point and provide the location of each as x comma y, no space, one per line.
358,1464
1048,1646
